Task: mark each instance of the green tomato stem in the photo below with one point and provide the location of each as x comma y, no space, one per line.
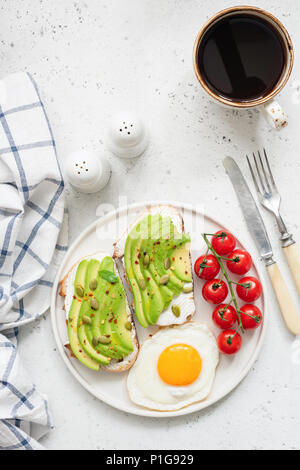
203,262
236,259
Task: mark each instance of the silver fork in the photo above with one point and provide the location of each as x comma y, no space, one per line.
270,198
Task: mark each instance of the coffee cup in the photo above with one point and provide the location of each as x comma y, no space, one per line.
243,57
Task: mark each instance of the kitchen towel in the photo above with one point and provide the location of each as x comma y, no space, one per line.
33,239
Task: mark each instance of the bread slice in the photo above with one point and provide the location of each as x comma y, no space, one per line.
185,301
67,291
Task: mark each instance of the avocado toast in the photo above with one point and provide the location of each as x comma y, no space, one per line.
101,329
156,259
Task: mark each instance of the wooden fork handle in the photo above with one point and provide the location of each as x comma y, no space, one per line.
292,255
286,304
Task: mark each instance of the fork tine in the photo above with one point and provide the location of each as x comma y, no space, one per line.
264,172
259,174
269,169
253,176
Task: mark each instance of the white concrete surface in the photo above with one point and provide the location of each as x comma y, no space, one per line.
95,57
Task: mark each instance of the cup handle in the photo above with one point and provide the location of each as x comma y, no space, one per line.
274,114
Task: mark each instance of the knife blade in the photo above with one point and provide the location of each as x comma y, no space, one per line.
250,210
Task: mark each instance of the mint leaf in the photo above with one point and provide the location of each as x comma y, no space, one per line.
108,276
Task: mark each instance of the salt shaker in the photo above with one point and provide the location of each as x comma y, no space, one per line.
87,171
127,136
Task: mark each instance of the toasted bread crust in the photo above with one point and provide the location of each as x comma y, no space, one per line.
63,282
114,366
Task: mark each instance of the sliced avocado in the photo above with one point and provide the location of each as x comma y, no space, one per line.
95,337
101,316
182,263
174,284
120,328
84,329
136,268
110,319
138,301
150,272
95,315
154,298
159,296
166,293
154,283
163,249
153,302
73,321
150,232
98,317
111,325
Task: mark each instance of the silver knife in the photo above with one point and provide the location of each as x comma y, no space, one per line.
258,231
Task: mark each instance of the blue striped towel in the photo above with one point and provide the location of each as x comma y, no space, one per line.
33,239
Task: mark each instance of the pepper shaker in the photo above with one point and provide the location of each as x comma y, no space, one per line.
127,136
87,171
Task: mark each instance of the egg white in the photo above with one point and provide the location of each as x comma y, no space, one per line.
147,389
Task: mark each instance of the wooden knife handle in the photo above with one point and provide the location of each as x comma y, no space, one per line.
284,299
292,254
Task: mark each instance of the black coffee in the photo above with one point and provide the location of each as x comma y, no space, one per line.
241,57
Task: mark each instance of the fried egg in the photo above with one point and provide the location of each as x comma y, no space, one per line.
175,367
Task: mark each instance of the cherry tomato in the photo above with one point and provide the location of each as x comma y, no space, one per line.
212,267
224,316
252,289
223,242
229,342
215,291
250,323
241,261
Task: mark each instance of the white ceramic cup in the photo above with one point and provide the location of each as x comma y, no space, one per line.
272,111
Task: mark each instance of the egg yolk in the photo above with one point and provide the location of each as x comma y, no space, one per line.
179,364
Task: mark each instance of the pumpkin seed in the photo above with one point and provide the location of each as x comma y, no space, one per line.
187,289
86,320
167,263
128,325
103,340
164,279
176,310
142,284
93,284
146,260
79,290
94,304
100,339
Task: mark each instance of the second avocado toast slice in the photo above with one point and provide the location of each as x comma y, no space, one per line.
156,259
101,330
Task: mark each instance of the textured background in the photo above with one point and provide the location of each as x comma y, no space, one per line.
92,58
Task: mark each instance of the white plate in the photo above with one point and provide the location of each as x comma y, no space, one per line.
111,387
